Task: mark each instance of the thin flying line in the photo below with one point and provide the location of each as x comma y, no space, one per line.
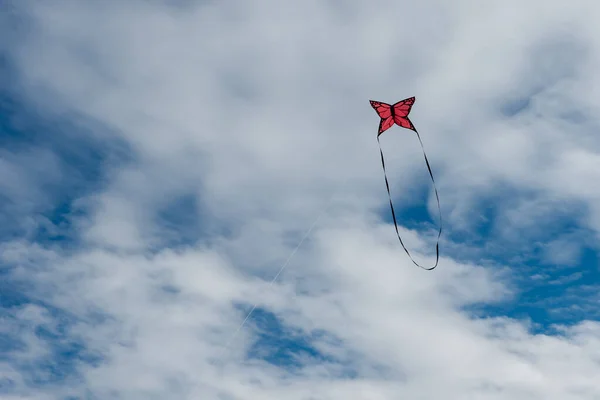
284,266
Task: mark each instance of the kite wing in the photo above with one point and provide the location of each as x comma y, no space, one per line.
401,110
386,114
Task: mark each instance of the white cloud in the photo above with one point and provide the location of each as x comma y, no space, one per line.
261,111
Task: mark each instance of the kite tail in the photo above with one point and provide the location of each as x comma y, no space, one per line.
387,185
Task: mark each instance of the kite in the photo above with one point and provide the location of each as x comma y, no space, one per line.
398,114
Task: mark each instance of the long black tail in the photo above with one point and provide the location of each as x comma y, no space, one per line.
437,245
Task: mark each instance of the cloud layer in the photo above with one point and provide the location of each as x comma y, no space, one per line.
162,160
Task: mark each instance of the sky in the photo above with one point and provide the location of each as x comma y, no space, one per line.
161,160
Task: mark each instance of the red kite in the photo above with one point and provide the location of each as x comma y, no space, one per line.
398,114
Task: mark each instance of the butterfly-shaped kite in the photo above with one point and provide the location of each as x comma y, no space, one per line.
398,114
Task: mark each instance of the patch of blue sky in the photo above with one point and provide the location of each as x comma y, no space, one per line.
550,288
553,260
515,106
81,162
45,217
183,221
37,341
292,350
280,344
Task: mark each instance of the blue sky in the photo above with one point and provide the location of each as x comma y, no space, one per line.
160,161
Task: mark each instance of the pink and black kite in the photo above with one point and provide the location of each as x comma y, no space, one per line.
398,114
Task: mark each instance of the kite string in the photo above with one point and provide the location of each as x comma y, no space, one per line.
286,263
387,185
